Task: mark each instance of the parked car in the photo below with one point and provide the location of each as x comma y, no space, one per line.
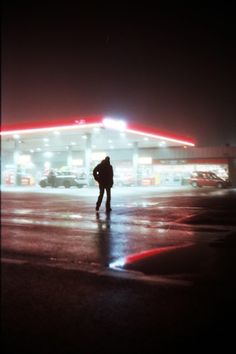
205,178
123,180
65,179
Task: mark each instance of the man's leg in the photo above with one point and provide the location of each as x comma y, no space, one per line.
108,201
99,201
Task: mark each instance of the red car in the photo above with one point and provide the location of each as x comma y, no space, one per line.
205,178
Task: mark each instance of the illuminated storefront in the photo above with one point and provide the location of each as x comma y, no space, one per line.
140,155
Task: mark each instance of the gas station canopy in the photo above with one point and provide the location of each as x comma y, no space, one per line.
103,133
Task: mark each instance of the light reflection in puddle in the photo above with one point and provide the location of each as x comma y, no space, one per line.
122,262
53,223
42,214
23,211
73,216
136,204
161,231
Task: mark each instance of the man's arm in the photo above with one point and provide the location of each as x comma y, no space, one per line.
95,173
112,176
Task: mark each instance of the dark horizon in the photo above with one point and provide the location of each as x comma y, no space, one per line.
173,68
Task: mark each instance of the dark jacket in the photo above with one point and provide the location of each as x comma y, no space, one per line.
103,174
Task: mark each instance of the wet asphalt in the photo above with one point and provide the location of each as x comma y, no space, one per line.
174,291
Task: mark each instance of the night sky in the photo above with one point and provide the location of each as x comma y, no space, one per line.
171,67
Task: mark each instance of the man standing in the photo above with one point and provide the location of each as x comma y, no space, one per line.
103,174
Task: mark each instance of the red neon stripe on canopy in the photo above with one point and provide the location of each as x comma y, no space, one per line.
90,120
153,131
52,123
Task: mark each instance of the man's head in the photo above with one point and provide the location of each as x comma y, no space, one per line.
107,159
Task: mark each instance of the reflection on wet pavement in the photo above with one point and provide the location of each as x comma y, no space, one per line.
136,235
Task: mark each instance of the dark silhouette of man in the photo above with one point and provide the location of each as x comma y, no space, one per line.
103,174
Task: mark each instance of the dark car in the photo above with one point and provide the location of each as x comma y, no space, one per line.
65,179
205,178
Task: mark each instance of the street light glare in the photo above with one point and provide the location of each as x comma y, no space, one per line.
112,123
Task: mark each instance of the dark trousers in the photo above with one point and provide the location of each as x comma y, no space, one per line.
100,197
